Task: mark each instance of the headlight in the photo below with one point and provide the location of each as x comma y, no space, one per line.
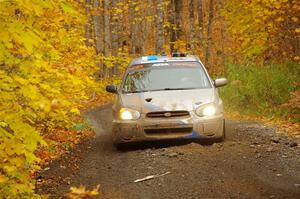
209,110
129,114
206,110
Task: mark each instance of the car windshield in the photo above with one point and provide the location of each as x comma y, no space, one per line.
166,76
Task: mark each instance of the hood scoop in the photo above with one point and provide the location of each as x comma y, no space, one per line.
198,103
148,99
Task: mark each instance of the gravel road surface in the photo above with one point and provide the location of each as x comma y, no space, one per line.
253,162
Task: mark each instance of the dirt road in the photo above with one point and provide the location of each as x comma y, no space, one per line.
253,162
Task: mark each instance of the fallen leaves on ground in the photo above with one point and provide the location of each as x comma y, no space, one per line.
82,193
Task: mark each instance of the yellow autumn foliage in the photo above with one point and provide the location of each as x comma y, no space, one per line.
46,73
266,29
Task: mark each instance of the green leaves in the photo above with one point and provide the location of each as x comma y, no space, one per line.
68,8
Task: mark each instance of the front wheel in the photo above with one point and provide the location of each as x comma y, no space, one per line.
119,146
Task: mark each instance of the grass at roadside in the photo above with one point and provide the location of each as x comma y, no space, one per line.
269,92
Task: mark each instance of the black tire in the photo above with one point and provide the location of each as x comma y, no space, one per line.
119,146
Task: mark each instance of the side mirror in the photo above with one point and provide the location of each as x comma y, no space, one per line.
111,89
220,82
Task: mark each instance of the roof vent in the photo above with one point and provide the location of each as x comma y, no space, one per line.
177,54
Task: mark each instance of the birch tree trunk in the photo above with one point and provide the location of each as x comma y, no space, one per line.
209,33
88,25
192,24
107,40
159,27
200,23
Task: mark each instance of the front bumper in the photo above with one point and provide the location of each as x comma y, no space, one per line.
145,129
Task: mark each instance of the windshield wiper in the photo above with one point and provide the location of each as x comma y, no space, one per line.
162,89
127,92
179,88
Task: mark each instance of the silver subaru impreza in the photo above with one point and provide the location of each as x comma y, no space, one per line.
167,97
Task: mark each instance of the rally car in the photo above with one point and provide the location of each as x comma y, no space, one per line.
167,97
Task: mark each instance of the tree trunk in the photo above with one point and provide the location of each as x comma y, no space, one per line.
115,38
159,27
98,36
172,32
133,24
97,28
222,28
176,22
200,23
178,18
107,40
209,33
88,25
192,24
145,25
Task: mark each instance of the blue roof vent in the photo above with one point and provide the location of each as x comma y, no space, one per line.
152,58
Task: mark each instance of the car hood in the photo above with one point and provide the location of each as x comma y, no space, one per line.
167,100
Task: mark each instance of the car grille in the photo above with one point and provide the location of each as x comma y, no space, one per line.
167,114
169,131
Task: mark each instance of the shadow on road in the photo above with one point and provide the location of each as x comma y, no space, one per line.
158,144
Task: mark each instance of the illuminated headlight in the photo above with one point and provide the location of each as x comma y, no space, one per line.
206,110
129,114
